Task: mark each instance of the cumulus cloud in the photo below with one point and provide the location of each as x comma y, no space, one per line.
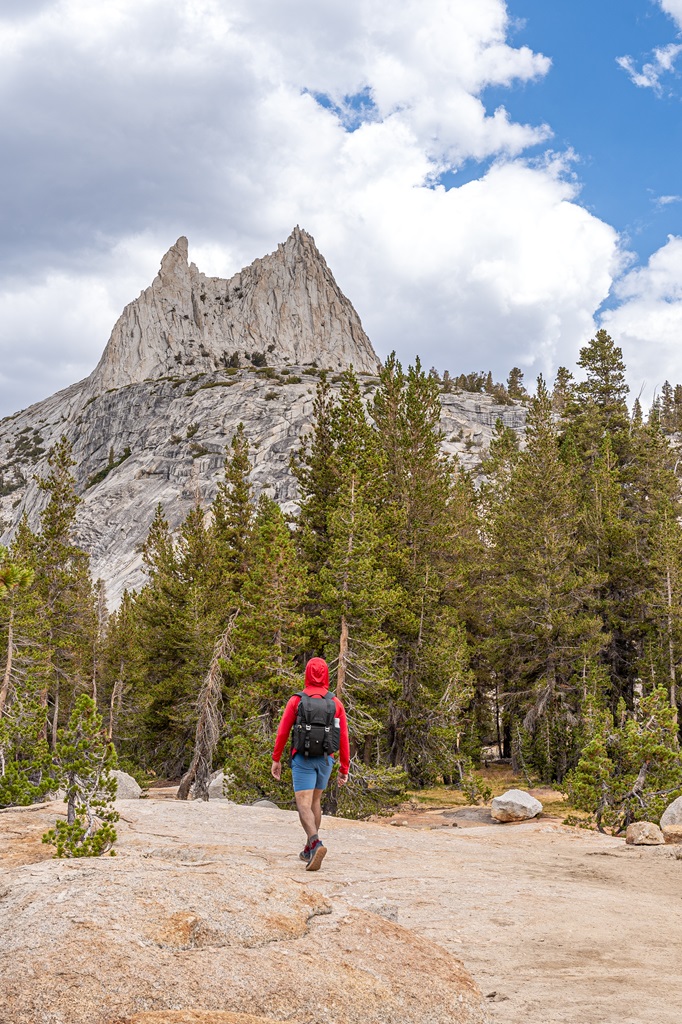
132,122
648,321
674,9
649,77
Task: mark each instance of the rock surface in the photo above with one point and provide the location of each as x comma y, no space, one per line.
286,306
515,805
672,815
644,833
173,925
216,787
151,423
127,788
673,834
511,903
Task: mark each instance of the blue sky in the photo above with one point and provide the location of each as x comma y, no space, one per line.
492,195
628,139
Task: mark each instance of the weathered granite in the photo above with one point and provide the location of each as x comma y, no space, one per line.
644,833
515,805
140,404
286,306
672,815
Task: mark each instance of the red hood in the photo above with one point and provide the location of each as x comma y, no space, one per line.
317,674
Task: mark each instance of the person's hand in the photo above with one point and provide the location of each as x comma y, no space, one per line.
276,770
343,779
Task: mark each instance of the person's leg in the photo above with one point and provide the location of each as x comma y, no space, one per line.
306,814
317,807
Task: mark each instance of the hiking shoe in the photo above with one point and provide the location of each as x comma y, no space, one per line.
316,855
304,855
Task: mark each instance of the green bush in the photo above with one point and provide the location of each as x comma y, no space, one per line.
84,761
631,768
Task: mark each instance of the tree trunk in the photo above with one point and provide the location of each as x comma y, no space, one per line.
55,719
116,695
4,690
671,649
343,657
209,722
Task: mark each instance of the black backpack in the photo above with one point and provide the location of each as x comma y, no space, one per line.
316,730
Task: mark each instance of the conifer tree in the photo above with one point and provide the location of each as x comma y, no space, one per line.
357,599
630,767
84,761
515,388
541,593
178,621
268,639
313,468
232,511
420,521
65,629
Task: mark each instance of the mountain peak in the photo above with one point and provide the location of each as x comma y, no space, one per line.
285,307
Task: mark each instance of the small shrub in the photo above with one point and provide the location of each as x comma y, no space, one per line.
371,790
192,429
269,395
84,761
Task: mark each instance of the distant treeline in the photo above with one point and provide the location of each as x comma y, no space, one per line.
541,612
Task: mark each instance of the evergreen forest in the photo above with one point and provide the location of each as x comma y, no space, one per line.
536,611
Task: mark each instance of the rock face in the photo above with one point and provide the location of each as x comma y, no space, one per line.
672,815
644,833
127,788
515,805
673,834
175,930
151,423
286,306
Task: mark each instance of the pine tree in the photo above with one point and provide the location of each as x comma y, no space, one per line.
313,468
13,577
631,767
178,621
515,388
66,626
232,511
268,641
357,598
84,762
420,524
541,593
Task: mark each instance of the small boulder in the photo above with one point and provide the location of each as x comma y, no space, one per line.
216,789
644,833
265,803
515,805
672,815
673,834
127,788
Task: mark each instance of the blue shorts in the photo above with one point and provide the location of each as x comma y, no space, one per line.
311,772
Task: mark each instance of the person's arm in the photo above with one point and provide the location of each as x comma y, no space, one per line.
285,727
344,745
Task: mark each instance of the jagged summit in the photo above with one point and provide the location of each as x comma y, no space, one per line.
286,306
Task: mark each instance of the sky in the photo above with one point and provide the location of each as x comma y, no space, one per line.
489,181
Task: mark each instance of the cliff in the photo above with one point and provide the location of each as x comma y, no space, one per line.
152,421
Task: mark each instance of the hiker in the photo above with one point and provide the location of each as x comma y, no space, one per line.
319,728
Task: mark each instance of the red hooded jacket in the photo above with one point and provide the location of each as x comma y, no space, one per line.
316,685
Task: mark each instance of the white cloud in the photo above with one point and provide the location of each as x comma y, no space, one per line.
674,9
649,77
132,122
648,322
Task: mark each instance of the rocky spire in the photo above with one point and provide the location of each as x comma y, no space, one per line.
286,307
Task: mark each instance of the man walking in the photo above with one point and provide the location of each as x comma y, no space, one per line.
319,727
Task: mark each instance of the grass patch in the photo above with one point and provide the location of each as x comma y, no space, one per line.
100,475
